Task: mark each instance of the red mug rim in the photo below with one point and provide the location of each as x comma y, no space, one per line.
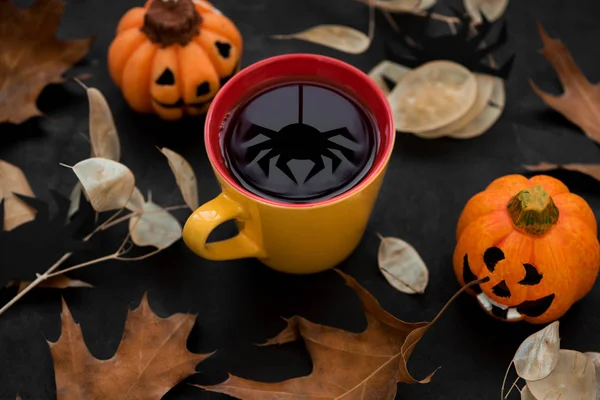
236,91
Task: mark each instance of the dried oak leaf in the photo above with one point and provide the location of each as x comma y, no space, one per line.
31,56
347,365
580,102
152,358
47,239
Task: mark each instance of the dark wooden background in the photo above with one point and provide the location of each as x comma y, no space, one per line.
240,302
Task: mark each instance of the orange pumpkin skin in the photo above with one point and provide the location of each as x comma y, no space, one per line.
536,243
174,74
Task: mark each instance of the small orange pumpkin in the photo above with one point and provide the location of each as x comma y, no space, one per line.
534,241
172,56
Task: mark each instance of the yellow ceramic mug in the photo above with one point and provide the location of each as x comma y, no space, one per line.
293,238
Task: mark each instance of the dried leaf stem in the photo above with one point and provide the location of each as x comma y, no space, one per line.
51,272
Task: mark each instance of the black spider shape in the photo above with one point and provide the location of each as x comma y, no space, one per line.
34,246
298,142
463,47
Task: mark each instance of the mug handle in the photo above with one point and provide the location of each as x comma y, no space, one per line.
205,219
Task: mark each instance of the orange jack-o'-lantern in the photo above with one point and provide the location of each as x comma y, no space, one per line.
171,57
535,243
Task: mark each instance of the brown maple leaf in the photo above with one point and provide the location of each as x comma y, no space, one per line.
348,366
580,102
31,57
151,359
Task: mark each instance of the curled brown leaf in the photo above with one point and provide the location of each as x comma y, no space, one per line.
103,132
185,177
339,37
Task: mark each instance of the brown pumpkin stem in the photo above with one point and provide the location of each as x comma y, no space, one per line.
533,211
171,21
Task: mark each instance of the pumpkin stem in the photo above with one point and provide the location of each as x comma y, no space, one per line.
171,21
533,211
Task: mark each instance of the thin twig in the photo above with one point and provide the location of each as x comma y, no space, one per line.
139,213
438,17
102,226
512,387
504,381
152,253
391,20
40,278
112,256
116,256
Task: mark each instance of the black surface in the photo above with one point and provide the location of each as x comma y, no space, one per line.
240,303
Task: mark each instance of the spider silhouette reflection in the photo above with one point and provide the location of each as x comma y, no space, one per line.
298,141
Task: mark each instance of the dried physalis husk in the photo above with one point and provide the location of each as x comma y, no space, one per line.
485,87
402,266
572,378
433,95
538,355
107,184
387,70
488,117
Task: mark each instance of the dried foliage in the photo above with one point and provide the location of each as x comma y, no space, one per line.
553,373
580,102
152,358
106,185
402,266
347,365
425,105
16,211
48,237
32,57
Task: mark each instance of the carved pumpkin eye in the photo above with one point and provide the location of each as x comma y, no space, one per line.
532,275
166,78
491,257
224,49
203,89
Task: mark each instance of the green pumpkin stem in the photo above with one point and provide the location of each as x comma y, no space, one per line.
533,211
168,22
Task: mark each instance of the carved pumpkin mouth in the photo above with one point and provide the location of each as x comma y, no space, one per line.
180,104
528,308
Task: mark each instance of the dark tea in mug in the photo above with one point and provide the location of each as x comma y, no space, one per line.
299,142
